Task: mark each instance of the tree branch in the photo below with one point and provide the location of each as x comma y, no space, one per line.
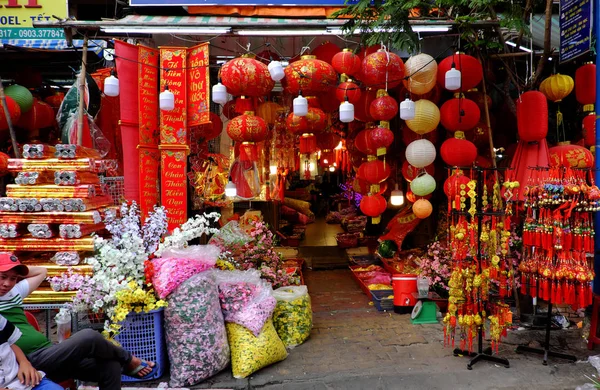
547,46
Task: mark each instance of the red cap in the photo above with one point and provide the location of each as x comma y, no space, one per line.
9,261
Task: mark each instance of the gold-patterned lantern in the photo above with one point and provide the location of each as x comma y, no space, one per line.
309,75
245,76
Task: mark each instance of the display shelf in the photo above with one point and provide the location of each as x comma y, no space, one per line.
58,217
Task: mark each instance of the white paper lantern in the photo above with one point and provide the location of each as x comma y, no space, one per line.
423,185
420,153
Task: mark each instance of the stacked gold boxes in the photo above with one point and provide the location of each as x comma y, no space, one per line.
49,214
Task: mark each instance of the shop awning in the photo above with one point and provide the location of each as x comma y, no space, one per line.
53,44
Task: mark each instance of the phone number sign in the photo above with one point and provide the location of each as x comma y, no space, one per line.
17,18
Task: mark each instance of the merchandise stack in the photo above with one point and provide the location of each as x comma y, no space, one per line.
49,214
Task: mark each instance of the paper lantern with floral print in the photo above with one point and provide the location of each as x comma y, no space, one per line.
326,51
247,128
458,152
452,185
375,171
316,120
382,69
557,87
470,68
363,187
309,75
427,117
567,155
412,198
532,116
296,124
246,76
459,114
373,205
422,208
384,107
421,70
348,89
346,62
268,111
420,153
409,172
14,111
409,136
589,129
422,185
585,85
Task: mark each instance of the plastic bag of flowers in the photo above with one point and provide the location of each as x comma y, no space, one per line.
231,235
245,298
195,331
179,264
293,315
250,353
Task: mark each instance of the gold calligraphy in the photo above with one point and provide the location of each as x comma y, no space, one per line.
198,83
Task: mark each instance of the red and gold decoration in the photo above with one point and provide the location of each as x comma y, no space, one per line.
346,62
532,116
585,86
247,129
573,156
382,69
470,69
373,206
309,75
460,114
384,107
198,81
246,76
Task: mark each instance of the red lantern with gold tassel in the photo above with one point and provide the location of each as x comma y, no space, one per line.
245,76
381,137
459,114
316,120
382,69
247,129
585,86
373,206
452,185
458,152
374,171
589,129
532,116
348,89
346,62
309,75
384,107
363,187
470,69
296,124
573,156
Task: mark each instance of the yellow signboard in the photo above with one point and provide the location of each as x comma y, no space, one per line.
17,17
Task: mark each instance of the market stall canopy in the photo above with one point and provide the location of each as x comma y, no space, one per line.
95,46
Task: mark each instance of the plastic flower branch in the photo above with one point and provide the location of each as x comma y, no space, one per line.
194,228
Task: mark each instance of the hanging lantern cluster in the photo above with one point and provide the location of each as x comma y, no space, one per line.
247,129
459,72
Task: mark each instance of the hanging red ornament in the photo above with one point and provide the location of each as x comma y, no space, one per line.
247,128
459,114
382,70
14,111
328,141
373,205
585,86
589,129
374,171
296,124
532,116
573,156
470,69
381,137
245,76
458,152
326,51
452,185
316,120
210,130
346,62
384,107
363,187
309,75
308,144
409,172
348,89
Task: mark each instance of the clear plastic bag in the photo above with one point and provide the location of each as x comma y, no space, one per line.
205,253
245,298
195,331
230,236
292,317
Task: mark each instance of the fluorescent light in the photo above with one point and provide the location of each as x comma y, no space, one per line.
290,32
167,30
419,28
509,43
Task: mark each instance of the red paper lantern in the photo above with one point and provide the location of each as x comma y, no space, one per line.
381,136
326,51
589,129
459,114
14,111
373,205
458,152
55,100
245,76
362,108
328,141
247,128
211,130
374,171
409,172
40,115
296,124
316,120
532,116
363,187
309,75
470,68
382,70
348,89
452,185
346,62
585,84
479,135
567,155
412,198
229,111
408,136
3,163
308,144
384,107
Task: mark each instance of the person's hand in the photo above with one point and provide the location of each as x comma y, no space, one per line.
28,375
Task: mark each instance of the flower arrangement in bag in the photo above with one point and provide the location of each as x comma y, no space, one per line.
435,265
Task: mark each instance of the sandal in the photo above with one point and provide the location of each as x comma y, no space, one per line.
133,373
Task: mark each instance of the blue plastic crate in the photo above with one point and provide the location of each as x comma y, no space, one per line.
381,300
142,334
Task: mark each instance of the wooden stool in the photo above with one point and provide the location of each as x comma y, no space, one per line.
593,338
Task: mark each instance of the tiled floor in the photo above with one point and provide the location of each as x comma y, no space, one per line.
320,233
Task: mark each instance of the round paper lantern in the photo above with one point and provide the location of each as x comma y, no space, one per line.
384,107
412,198
229,111
328,141
326,51
346,62
557,87
373,205
3,163
421,71
268,111
470,68
420,153
409,172
422,208
422,185
316,120
532,116
362,108
382,70
247,128
309,75
567,155
409,136
458,152
245,76
374,171
452,185
363,187
21,96
427,117
381,137
296,124
361,142
14,111
41,115
589,129
479,98
459,114
585,85
55,100
211,130
348,89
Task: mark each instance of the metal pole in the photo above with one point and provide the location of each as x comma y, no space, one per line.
80,117
11,129
596,10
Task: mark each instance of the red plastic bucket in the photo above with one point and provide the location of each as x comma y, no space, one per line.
404,286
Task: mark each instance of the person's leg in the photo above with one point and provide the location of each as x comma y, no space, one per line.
47,384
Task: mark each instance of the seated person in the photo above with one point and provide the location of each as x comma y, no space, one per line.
86,355
17,372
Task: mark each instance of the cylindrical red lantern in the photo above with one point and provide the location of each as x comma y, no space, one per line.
374,171
409,172
247,128
532,116
452,185
384,107
459,114
346,62
13,110
308,144
309,75
382,70
373,205
585,85
296,124
567,155
470,69
245,76
348,89
589,129
458,152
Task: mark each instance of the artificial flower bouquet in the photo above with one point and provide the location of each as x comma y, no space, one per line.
435,265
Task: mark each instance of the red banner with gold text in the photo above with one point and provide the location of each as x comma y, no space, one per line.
198,82
149,156
173,136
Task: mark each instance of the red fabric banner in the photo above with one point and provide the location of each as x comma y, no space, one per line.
198,82
149,157
174,185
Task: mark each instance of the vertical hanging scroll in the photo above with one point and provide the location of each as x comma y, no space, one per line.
198,82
